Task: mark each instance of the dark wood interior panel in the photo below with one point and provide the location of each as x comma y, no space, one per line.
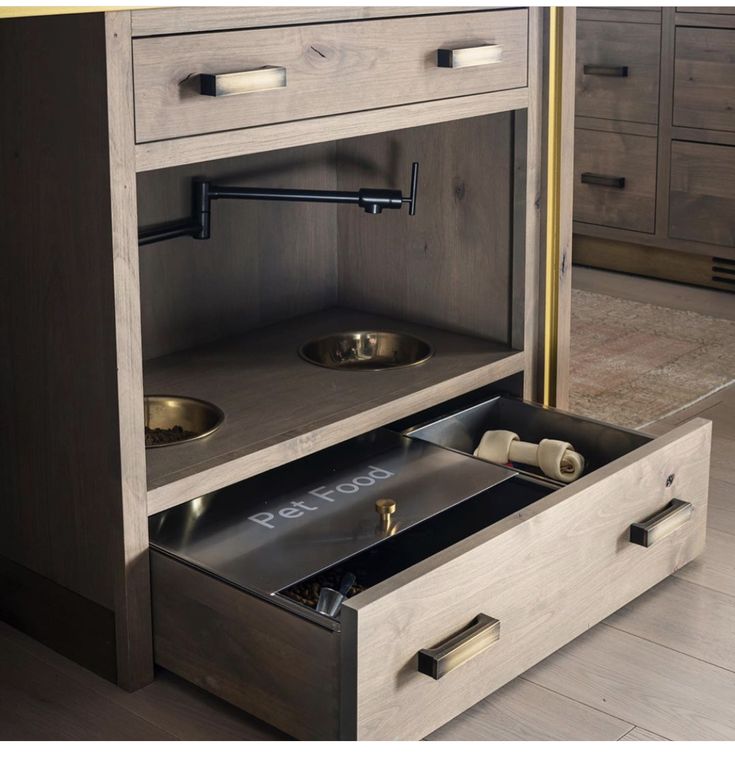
273,664
704,78
449,266
71,624
629,157
633,98
266,261
702,197
60,468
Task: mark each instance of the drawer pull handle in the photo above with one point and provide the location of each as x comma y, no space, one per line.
241,82
605,71
481,634
609,181
459,58
662,523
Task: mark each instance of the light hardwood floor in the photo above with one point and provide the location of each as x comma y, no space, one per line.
661,668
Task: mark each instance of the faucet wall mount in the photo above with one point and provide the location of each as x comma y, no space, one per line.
198,226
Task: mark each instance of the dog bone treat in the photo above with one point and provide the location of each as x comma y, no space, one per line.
557,459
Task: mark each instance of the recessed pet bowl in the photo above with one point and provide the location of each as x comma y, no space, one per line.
366,350
173,420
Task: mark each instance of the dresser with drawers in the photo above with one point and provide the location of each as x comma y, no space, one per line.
655,143
123,281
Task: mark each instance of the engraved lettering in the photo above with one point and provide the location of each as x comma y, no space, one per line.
263,519
379,473
316,492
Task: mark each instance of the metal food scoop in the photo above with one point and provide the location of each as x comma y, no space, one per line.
330,600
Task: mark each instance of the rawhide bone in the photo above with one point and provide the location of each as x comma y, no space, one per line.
558,460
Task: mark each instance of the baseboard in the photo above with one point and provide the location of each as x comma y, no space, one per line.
61,619
654,262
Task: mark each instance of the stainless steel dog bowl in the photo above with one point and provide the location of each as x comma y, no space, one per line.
366,350
174,420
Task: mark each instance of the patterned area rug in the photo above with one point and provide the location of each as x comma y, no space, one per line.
633,363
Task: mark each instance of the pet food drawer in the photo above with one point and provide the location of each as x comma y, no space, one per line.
452,607
217,81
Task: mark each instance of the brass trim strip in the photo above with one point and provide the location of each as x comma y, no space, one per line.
553,210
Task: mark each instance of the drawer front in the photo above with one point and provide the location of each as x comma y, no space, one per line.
546,574
618,70
321,69
704,78
615,180
702,193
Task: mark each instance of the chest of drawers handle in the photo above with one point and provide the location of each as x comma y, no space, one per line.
605,71
609,181
460,648
459,58
662,523
242,82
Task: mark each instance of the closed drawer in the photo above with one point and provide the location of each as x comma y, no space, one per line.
618,70
702,193
615,180
321,69
704,78
509,576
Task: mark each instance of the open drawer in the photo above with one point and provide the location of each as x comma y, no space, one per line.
455,605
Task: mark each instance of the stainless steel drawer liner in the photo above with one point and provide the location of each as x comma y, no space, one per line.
269,532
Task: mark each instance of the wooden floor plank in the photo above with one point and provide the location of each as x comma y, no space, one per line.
522,711
40,703
639,734
721,510
176,706
670,694
722,466
715,568
688,618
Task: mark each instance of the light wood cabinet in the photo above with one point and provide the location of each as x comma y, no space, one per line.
94,322
692,130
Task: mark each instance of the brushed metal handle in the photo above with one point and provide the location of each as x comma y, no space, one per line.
241,82
458,58
662,523
605,71
609,181
460,648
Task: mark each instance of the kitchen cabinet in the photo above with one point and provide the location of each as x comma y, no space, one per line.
679,101
184,222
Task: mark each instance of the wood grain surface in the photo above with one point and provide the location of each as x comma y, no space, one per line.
265,262
279,407
629,156
575,539
259,657
704,78
633,98
702,195
331,69
430,268
71,377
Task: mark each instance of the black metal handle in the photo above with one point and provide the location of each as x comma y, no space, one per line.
605,71
609,181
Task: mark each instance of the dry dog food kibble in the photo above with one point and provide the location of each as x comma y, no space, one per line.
166,436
